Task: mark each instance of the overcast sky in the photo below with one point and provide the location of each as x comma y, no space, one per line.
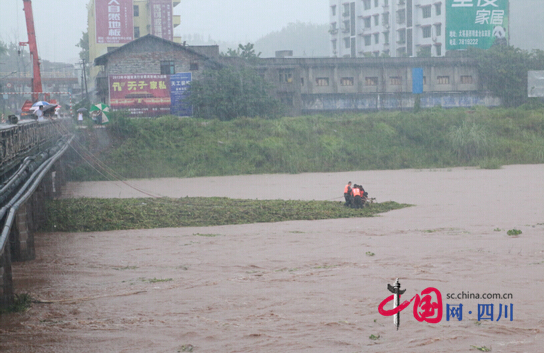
59,23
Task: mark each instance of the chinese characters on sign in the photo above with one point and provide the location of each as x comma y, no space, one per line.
114,21
476,23
179,83
161,18
140,94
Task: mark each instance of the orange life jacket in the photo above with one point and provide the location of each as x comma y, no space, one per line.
346,189
356,192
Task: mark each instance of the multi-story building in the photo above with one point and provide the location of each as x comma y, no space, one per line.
411,28
113,23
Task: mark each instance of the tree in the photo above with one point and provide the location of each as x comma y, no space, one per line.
246,52
3,48
84,45
503,69
228,93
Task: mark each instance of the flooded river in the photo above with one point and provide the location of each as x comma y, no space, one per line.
301,286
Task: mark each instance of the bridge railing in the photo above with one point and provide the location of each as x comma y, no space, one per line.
18,140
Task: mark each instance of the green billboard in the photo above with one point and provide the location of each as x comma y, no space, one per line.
476,23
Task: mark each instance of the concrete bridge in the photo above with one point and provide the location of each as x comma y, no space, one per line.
32,170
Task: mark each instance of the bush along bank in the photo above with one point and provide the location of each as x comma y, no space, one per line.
433,138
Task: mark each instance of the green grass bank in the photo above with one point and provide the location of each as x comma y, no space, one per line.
433,138
89,215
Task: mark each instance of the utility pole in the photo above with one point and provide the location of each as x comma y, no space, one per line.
84,65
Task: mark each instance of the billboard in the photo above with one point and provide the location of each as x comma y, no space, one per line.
476,23
179,83
160,12
142,94
114,21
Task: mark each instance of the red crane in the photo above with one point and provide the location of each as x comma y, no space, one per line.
33,48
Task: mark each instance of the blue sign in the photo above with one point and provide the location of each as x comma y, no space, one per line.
417,81
179,83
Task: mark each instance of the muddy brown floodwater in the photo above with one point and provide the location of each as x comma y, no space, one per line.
302,286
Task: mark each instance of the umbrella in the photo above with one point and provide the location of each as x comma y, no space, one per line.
103,111
82,110
38,103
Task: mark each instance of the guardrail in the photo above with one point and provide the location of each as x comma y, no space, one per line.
19,140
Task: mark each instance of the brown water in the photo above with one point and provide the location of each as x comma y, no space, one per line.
303,286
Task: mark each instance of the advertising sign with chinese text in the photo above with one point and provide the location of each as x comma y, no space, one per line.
161,18
476,23
114,21
179,83
142,94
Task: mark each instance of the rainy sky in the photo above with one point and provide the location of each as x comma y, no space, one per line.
59,23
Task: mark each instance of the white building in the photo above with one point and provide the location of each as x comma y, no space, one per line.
393,28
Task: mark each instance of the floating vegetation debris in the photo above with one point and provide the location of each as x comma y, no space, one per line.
370,253
512,232
374,337
482,349
21,303
92,214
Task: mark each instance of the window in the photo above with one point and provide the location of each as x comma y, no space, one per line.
401,16
366,4
438,29
401,36
385,19
346,81
424,80
347,42
346,29
376,3
385,37
466,80
438,9
426,11
286,76
395,80
385,2
376,20
376,38
322,81
426,31
334,45
136,32
443,80
367,40
371,81
136,10
346,10
438,49
367,22
333,10
302,81
168,68
193,66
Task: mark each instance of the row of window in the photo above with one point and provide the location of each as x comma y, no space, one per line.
169,67
393,80
425,10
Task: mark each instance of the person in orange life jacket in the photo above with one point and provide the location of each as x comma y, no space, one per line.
356,192
347,194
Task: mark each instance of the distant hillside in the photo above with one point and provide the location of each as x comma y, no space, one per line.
304,39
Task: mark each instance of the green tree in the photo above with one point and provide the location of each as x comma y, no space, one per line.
84,45
228,93
246,52
503,69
